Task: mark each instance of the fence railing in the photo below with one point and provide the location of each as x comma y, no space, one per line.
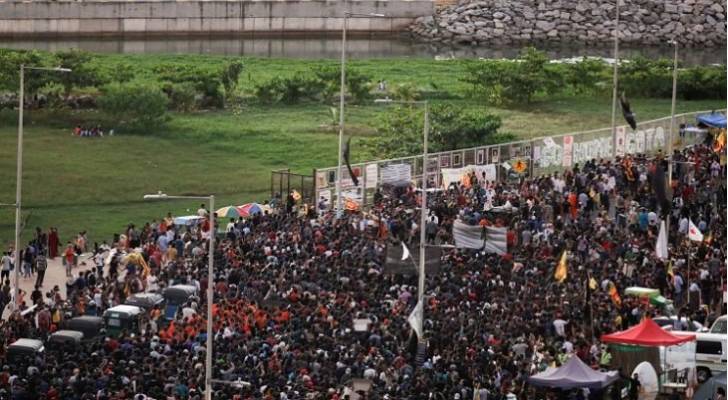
532,157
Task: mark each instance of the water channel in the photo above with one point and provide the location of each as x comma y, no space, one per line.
330,47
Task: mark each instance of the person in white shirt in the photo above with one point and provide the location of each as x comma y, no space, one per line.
559,325
202,212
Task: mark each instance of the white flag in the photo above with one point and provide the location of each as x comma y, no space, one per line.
661,246
694,233
496,240
405,252
467,236
415,319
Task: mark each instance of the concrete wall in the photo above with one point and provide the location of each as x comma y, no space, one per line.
114,18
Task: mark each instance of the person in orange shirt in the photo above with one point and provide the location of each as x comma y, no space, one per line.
573,204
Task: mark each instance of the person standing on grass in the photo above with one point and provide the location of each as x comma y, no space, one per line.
41,263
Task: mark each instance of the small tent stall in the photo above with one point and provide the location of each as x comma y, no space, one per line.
712,120
644,342
574,374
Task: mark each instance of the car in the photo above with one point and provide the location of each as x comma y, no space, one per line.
65,339
89,325
123,318
719,326
147,301
25,349
668,323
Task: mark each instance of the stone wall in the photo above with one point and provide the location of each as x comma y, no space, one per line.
651,22
169,17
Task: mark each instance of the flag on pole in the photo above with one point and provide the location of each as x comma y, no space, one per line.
593,283
405,252
670,272
694,233
661,245
561,270
415,319
614,294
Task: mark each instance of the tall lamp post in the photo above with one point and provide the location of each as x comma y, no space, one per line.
672,112
423,205
210,276
342,93
615,78
19,174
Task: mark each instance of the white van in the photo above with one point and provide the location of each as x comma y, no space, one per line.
710,353
719,326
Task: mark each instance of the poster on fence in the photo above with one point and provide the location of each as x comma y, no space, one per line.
397,174
372,176
621,138
321,179
450,175
567,151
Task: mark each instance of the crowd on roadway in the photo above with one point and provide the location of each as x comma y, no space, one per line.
289,284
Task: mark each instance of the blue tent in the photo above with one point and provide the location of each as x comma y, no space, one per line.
714,120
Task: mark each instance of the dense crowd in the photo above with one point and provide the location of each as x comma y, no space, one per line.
289,284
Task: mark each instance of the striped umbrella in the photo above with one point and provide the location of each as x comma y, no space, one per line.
249,209
228,212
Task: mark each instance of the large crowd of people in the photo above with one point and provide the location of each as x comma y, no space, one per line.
288,286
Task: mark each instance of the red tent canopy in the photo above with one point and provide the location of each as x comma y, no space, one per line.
647,333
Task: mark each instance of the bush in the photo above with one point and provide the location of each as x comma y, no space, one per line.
230,76
703,82
451,127
137,105
206,81
587,76
181,96
516,81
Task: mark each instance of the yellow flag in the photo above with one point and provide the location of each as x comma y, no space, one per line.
669,270
296,195
560,273
593,283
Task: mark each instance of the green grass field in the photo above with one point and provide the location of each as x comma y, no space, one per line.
97,184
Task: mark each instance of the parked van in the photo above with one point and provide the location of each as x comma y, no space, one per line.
710,353
719,326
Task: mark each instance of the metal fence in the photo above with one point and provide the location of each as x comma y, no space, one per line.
283,182
533,157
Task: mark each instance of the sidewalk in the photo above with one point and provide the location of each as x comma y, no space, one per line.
55,275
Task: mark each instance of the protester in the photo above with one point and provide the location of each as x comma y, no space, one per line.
289,285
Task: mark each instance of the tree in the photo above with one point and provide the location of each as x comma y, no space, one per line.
10,61
517,81
230,76
82,71
401,128
455,128
137,105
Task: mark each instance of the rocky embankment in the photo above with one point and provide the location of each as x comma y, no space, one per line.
646,22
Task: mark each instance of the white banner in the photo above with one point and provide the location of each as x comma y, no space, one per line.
449,175
397,173
372,176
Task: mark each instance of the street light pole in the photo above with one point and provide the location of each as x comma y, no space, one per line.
19,176
423,217
672,113
19,188
210,277
339,201
423,205
342,95
615,80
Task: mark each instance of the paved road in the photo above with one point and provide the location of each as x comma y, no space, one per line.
55,275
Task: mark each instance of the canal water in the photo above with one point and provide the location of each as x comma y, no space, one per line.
330,47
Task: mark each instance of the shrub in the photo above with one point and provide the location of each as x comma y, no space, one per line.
181,96
514,81
137,105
